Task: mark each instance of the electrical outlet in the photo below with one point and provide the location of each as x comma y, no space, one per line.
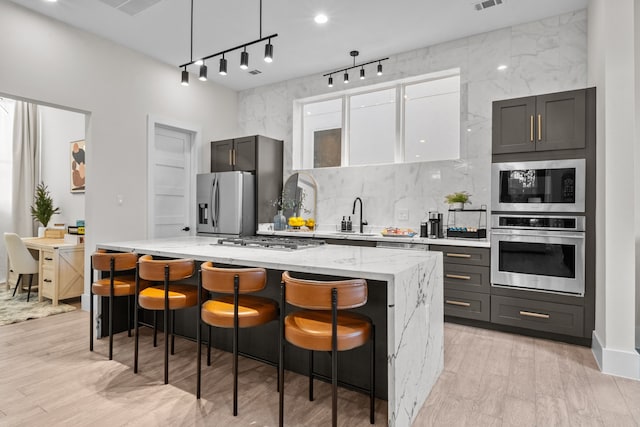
403,214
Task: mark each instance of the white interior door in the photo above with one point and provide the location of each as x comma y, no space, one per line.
171,173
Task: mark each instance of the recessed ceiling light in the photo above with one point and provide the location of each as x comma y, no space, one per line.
502,67
321,18
468,129
422,141
52,1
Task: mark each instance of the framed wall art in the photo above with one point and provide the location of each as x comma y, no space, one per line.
78,166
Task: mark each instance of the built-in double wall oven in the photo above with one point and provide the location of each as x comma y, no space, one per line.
538,226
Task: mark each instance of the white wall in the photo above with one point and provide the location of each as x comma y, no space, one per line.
611,69
57,129
52,63
543,56
6,143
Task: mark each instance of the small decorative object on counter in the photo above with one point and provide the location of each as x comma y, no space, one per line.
457,200
343,224
424,225
310,223
279,221
398,232
296,222
349,225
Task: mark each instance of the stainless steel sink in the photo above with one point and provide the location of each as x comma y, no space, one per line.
353,233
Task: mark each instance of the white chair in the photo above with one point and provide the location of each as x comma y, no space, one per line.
21,260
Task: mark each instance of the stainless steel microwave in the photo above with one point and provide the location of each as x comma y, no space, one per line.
538,186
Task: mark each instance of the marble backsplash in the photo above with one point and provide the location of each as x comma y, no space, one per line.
543,56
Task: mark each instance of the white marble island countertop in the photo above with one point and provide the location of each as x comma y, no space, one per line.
415,314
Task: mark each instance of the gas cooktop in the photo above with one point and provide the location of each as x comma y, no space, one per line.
282,243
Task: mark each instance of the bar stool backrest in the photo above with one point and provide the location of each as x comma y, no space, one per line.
221,280
316,295
154,269
101,260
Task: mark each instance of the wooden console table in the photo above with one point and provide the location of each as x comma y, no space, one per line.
60,268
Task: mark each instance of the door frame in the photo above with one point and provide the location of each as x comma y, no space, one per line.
195,131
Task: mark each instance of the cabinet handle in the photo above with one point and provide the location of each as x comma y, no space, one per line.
460,303
531,128
457,276
48,280
536,315
234,157
454,255
230,161
48,259
539,127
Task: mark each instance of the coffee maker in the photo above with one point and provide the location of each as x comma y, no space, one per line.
435,225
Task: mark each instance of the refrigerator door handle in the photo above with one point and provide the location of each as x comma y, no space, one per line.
212,208
217,201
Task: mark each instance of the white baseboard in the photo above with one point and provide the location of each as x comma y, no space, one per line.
620,363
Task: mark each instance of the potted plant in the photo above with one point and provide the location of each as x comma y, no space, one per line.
457,200
42,210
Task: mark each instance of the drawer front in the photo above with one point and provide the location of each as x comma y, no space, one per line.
539,315
466,277
470,305
48,281
47,259
463,254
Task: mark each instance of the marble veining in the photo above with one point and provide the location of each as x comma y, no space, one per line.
415,317
543,56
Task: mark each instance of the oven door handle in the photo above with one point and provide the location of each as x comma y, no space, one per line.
579,235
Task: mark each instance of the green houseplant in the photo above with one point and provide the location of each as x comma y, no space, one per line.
42,210
457,199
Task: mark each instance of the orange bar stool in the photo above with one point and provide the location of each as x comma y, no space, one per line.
168,297
234,310
113,286
323,325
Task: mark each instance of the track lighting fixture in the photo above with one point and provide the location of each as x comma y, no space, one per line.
185,77
244,59
353,54
223,66
203,73
244,55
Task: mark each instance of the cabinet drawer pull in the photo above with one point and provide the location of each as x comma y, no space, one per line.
539,127
48,280
536,315
531,128
234,157
48,259
230,161
454,255
460,303
458,276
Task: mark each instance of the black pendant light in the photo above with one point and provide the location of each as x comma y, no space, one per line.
268,52
203,73
346,77
185,77
354,54
244,59
362,73
379,69
223,66
330,81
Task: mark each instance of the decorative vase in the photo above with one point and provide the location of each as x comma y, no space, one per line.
279,221
458,206
41,231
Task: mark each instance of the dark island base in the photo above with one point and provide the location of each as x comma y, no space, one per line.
585,342
262,341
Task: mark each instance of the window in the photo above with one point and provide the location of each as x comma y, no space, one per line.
411,120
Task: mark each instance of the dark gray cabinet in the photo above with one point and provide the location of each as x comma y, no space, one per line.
259,155
555,121
466,281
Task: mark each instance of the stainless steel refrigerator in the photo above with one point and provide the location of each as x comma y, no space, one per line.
226,204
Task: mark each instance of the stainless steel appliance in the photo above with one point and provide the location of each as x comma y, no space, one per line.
538,186
226,203
435,225
282,243
536,252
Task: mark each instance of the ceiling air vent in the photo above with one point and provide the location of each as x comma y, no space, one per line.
487,3
255,72
131,7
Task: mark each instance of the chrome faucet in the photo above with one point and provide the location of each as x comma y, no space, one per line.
362,222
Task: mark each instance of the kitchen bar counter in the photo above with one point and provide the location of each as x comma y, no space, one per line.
414,282
377,237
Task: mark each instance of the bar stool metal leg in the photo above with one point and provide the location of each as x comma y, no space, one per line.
198,335
236,286
172,313
155,328
166,324
129,315
281,358
372,391
310,375
91,309
334,357
137,328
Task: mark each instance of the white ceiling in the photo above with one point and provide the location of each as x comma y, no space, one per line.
377,28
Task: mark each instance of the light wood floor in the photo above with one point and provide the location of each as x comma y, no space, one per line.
49,377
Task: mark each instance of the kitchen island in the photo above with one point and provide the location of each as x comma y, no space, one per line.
414,300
